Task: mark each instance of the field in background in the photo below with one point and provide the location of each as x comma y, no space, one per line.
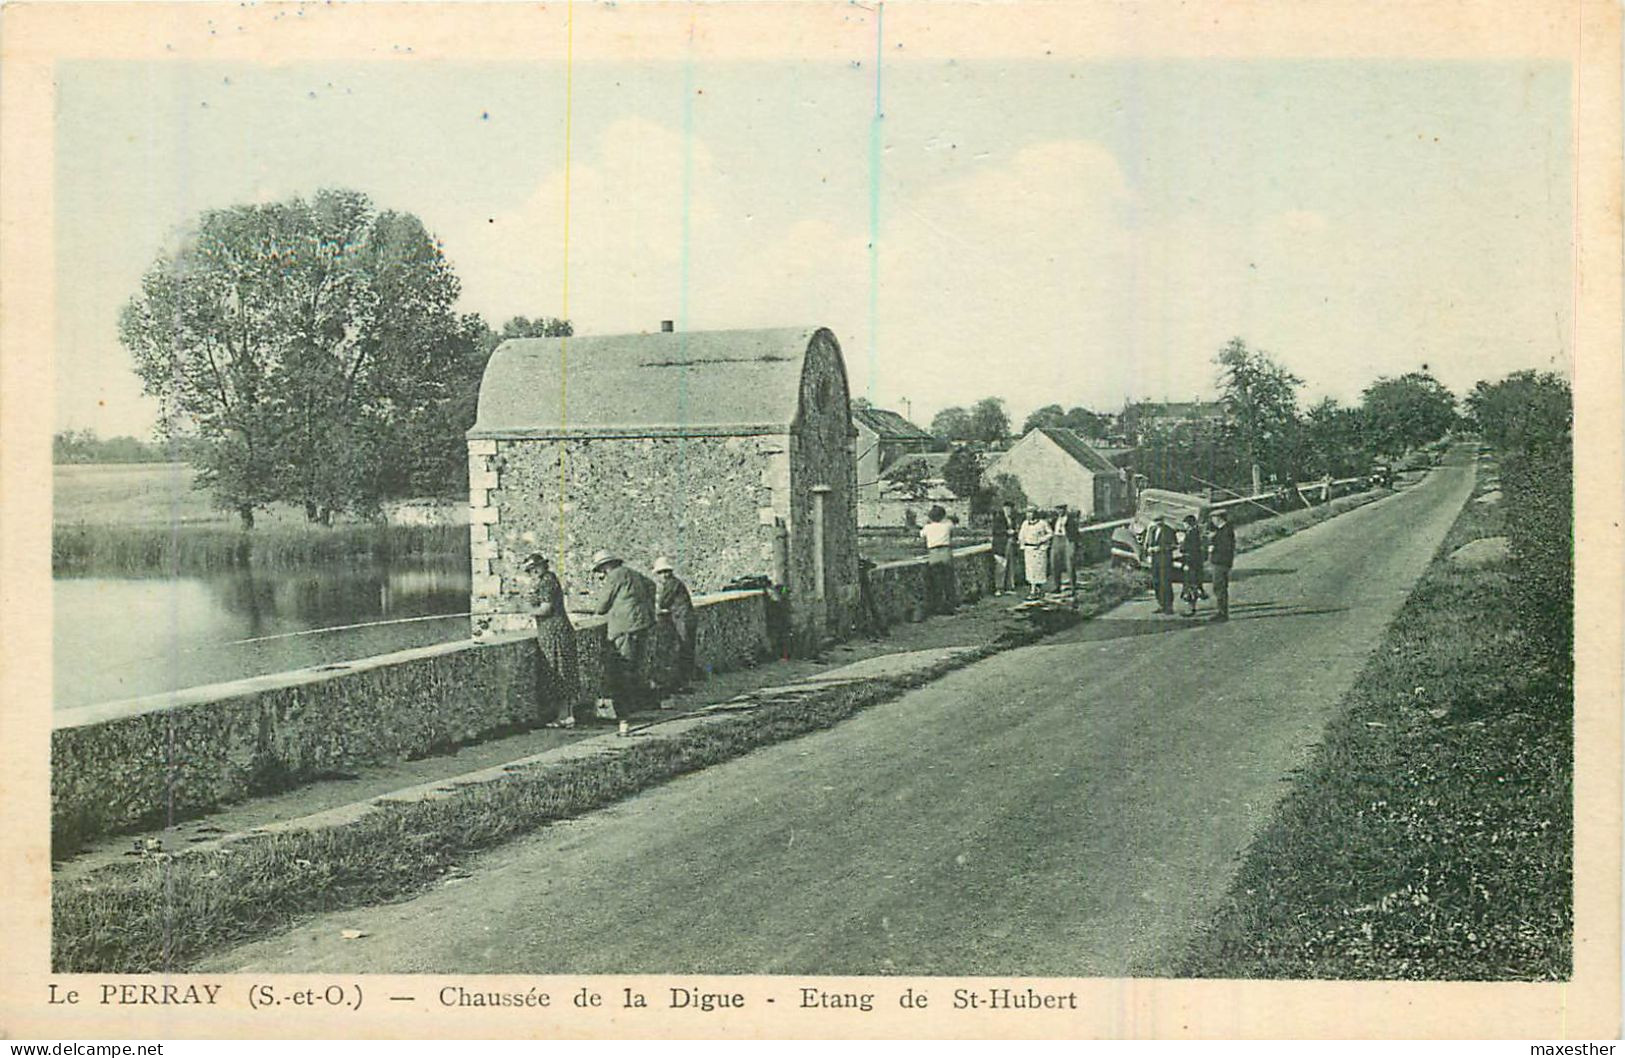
146,494
143,518
130,494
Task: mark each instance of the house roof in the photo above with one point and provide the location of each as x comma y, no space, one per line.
889,425
1189,409
1073,444
688,382
932,461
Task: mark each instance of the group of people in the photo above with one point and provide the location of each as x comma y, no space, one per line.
635,605
1042,550
1163,542
1045,549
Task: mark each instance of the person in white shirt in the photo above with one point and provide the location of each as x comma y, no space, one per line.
941,594
1035,537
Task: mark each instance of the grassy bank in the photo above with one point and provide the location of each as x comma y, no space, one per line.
164,913
132,550
1432,835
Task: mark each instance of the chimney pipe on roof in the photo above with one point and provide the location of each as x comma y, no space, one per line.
666,326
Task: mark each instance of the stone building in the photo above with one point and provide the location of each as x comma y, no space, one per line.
1056,465
884,437
731,452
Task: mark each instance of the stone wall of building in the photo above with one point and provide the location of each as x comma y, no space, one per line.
823,459
129,764
707,503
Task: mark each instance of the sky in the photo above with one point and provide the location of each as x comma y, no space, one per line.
1041,231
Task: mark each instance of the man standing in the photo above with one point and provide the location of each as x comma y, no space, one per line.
1222,553
628,598
674,604
1006,552
1193,555
1160,547
1063,553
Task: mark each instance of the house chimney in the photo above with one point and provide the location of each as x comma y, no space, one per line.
666,327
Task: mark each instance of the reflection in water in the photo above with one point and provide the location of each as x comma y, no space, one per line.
120,637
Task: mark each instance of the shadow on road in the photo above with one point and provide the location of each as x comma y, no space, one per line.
1258,610
1248,572
1102,628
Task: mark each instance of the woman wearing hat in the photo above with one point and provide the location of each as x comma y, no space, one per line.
674,604
558,684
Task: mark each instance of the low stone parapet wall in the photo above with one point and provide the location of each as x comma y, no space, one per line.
898,588
123,765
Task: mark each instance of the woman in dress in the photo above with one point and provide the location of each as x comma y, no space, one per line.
557,679
1035,537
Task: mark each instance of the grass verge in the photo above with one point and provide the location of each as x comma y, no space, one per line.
163,913
1432,835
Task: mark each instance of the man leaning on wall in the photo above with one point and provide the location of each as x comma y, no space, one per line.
627,598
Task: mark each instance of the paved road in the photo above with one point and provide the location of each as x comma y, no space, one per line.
1073,808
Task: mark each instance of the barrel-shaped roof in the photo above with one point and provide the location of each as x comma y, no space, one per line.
702,382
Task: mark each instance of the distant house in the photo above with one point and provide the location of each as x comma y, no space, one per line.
729,451
1169,415
1056,465
884,437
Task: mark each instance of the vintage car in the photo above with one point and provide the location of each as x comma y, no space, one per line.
1381,475
1128,541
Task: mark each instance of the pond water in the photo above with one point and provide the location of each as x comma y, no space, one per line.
122,637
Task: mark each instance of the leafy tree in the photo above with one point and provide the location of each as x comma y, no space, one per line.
1048,415
1192,456
310,344
1080,419
1007,487
1261,401
963,472
911,477
1090,424
953,425
1526,411
989,422
1408,411
85,446
1335,440
540,327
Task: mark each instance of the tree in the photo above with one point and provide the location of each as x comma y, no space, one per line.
963,472
1048,415
540,327
911,477
1007,488
1525,412
1090,424
989,422
1261,401
1335,440
311,345
1083,420
952,425
1406,412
